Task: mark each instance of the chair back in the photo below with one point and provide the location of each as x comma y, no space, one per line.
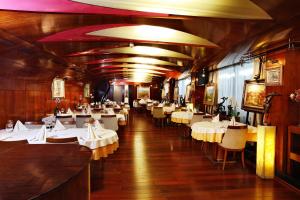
69,124
33,125
61,140
81,120
207,118
197,117
65,118
235,137
158,112
110,122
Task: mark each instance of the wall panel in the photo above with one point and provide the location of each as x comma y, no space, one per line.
30,101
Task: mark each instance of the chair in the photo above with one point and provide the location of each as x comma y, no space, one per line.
33,125
234,140
81,120
207,118
197,117
110,122
61,140
64,118
69,124
158,114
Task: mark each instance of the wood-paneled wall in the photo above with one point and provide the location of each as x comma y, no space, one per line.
31,100
284,112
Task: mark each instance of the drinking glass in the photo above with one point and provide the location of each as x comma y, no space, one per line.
9,127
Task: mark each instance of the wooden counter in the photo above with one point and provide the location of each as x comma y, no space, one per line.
54,171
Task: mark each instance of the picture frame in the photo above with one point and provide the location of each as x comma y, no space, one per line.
143,92
176,93
58,88
273,74
210,94
254,95
86,90
188,93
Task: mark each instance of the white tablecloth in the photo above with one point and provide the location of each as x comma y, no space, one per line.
106,137
96,116
181,117
213,131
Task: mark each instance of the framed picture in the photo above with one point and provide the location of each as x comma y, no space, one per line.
188,93
254,96
86,90
273,74
210,94
58,88
176,94
143,92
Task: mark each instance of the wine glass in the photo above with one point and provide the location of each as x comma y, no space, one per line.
9,127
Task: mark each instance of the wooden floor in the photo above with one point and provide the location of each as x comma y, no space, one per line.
157,163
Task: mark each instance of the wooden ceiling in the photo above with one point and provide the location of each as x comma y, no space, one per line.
24,55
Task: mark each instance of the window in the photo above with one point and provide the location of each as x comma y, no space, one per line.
182,83
231,84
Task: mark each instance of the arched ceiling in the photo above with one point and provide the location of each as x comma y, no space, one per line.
45,38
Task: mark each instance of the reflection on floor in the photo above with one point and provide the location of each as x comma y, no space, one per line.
158,163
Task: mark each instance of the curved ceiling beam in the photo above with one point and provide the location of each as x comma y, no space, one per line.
140,60
129,33
144,71
235,9
126,74
135,50
133,66
155,34
66,6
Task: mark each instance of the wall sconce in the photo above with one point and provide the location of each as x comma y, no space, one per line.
265,158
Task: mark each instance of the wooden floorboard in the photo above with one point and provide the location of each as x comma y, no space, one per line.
158,163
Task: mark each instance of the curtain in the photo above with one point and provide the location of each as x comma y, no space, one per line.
231,84
182,83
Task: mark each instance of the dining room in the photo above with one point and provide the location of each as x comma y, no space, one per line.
105,99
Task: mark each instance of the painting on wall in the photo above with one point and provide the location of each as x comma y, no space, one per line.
58,88
210,94
176,94
188,93
254,95
143,92
86,90
273,74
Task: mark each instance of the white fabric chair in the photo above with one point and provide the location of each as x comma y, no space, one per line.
110,122
234,140
81,120
197,117
65,118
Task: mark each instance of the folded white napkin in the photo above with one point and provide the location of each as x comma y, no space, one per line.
69,111
91,133
216,119
19,127
89,110
58,126
40,137
98,125
232,121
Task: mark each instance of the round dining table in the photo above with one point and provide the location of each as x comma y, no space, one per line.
213,131
181,117
105,144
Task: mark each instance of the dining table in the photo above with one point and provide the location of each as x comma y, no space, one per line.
105,144
211,132
181,117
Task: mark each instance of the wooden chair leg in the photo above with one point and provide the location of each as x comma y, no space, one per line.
243,159
225,158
